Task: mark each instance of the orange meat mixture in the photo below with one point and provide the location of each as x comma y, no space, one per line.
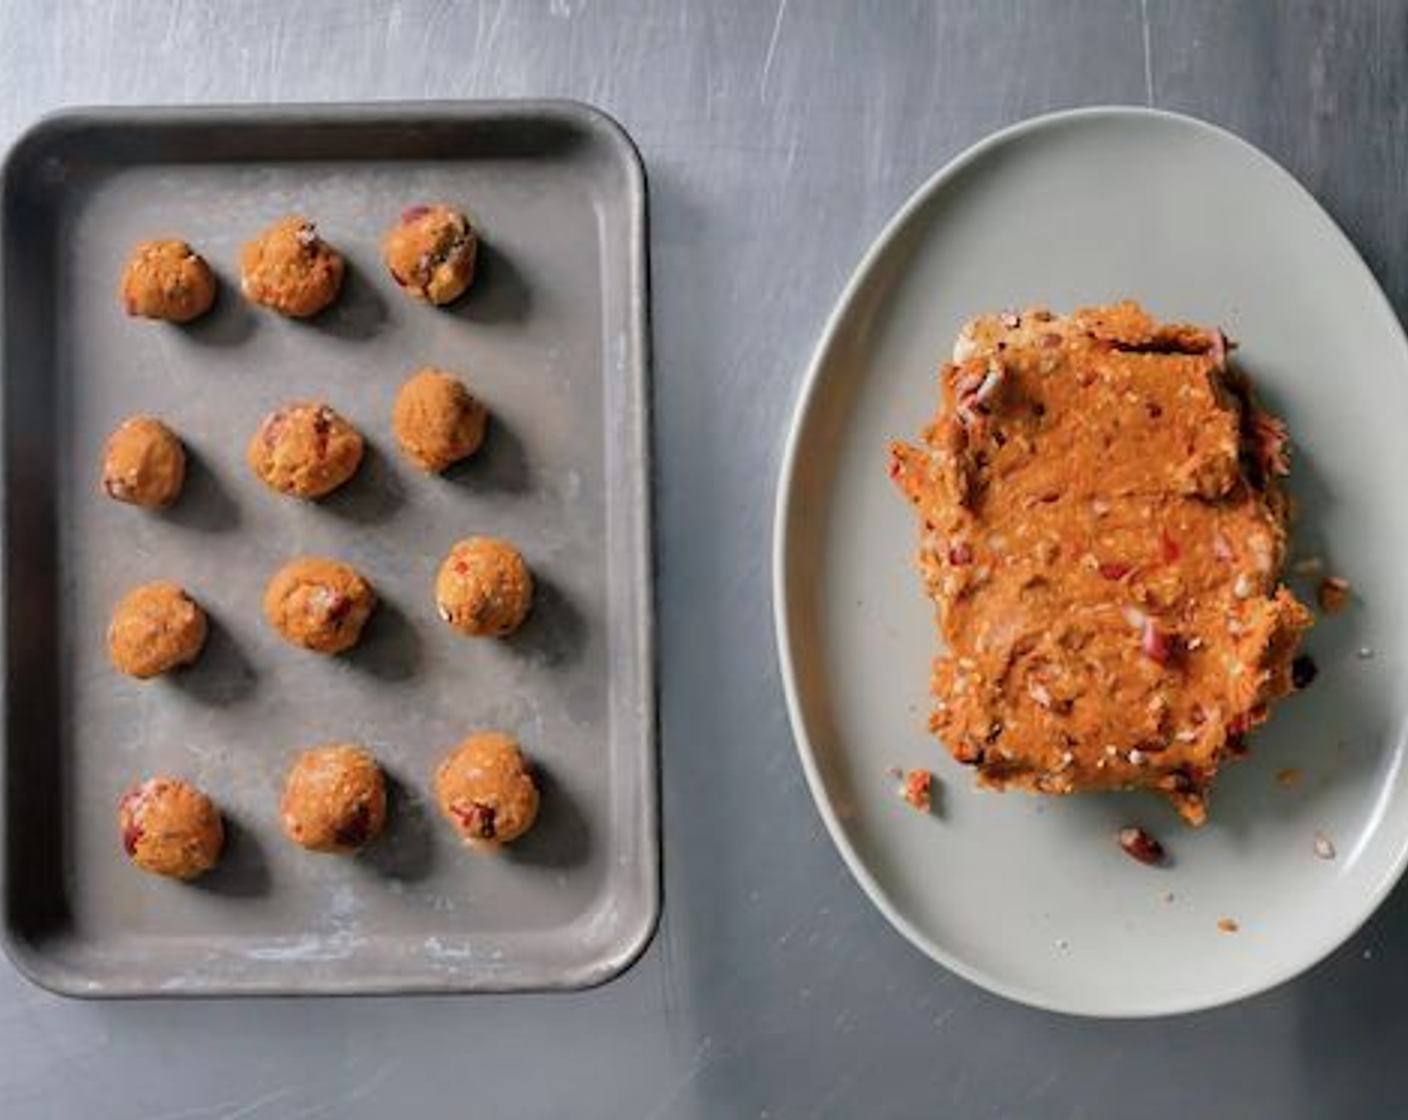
1102,531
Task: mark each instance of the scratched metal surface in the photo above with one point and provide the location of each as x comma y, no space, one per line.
778,139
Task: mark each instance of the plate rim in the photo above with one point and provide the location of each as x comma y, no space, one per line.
806,402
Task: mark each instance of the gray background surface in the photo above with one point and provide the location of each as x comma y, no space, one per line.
778,138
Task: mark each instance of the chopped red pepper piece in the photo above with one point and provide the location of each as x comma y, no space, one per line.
1156,644
1168,547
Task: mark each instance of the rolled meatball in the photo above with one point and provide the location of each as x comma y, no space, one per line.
155,628
319,604
288,268
430,253
144,463
305,449
166,279
334,799
169,827
484,588
486,791
436,420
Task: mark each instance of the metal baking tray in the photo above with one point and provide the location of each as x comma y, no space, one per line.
553,336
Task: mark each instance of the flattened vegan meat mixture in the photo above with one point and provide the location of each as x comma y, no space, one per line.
1102,529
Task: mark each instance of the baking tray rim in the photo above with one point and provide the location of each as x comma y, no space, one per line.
631,944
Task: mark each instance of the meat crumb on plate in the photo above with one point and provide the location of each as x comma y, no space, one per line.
1139,845
1332,594
918,789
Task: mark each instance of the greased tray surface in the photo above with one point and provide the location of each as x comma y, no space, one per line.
553,337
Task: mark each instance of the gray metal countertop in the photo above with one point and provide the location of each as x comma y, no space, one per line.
778,137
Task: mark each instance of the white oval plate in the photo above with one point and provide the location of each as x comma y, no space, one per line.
1031,897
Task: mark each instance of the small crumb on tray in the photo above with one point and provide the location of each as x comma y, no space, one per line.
1364,653
1227,925
1324,846
1308,566
918,789
1332,594
1289,777
1303,672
